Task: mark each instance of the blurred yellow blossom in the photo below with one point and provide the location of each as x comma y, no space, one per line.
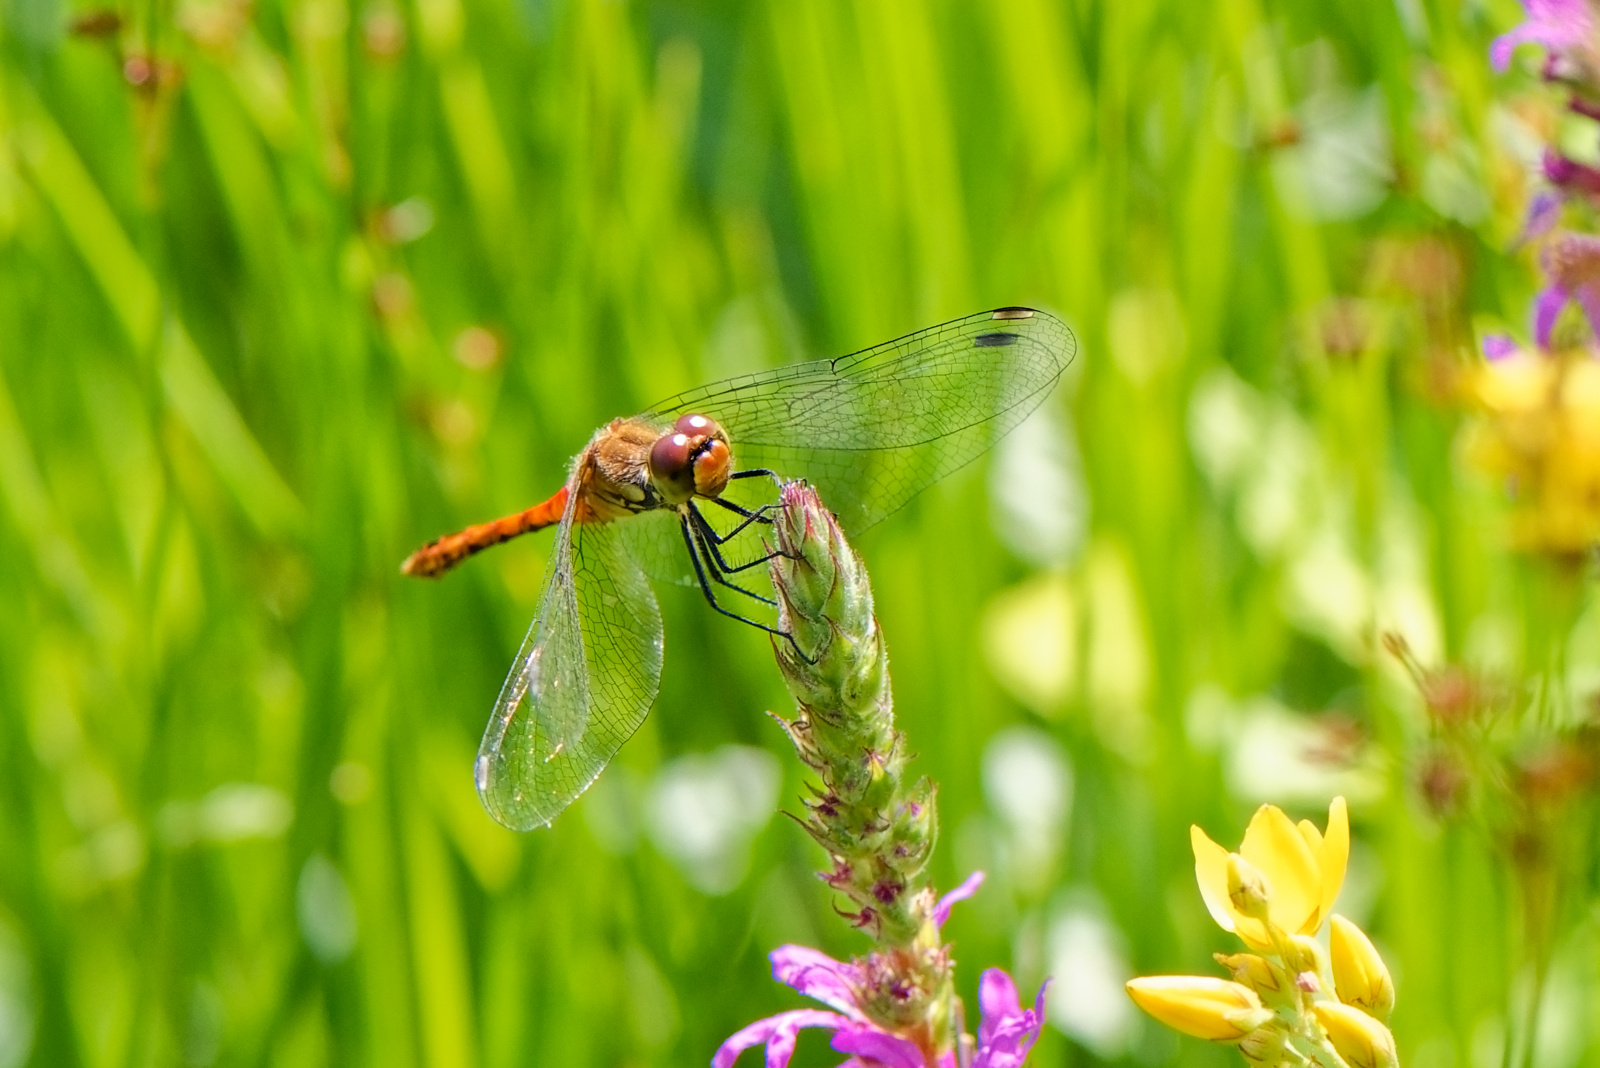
1539,430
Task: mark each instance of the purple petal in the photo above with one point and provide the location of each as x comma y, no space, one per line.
941,911
1498,346
778,1032
891,1051
1589,300
818,976
1039,1000
1006,1031
1568,173
1556,24
1543,213
1546,308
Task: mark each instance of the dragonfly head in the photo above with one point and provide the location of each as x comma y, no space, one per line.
692,459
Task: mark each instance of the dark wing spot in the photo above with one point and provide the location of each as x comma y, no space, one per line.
1011,313
994,341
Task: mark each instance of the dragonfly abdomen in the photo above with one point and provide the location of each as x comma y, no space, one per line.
441,554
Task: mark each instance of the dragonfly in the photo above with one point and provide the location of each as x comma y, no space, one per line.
869,430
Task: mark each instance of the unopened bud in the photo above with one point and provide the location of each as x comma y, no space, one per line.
1214,1009
1359,975
1253,971
1303,953
1268,1047
1362,1041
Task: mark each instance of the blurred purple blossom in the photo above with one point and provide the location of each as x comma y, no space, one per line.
1498,346
1558,25
1571,176
1572,265
1543,214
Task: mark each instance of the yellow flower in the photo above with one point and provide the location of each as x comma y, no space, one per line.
1302,869
1359,975
1362,1041
1199,1005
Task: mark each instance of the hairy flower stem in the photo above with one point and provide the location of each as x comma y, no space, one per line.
877,825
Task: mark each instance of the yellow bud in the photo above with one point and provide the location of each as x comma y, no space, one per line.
1198,1005
1362,1041
1359,974
1248,890
1268,1047
1253,971
1304,957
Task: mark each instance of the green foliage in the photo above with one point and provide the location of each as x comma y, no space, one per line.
287,289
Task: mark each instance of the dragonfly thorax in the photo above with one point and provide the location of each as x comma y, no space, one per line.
692,459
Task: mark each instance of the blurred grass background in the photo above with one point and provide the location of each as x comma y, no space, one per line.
288,288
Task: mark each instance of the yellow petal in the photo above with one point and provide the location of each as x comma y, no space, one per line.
1211,866
1214,1009
1359,975
1211,873
1362,1041
1309,832
1276,847
1332,857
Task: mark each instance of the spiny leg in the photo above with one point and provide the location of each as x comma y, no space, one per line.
705,588
758,515
759,472
711,556
715,541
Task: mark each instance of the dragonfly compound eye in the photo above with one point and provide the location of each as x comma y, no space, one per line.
670,459
713,463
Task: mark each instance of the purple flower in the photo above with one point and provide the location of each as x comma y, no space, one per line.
1559,25
1543,215
941,911
1570,176
1497,347
1572,264
1005,1033
819,976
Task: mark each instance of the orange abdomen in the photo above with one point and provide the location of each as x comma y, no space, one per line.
441,554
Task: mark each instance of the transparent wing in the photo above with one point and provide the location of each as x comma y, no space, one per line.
873,429
581,685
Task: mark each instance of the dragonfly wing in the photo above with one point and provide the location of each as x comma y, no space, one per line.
582,684
873,429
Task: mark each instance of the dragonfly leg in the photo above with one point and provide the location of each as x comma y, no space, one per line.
690,542
714,541
758,515
711,556
759,472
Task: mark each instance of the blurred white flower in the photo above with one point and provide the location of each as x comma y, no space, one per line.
705,809
326,910
232,812
1088,968
1028,782
16,1001
1040,504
